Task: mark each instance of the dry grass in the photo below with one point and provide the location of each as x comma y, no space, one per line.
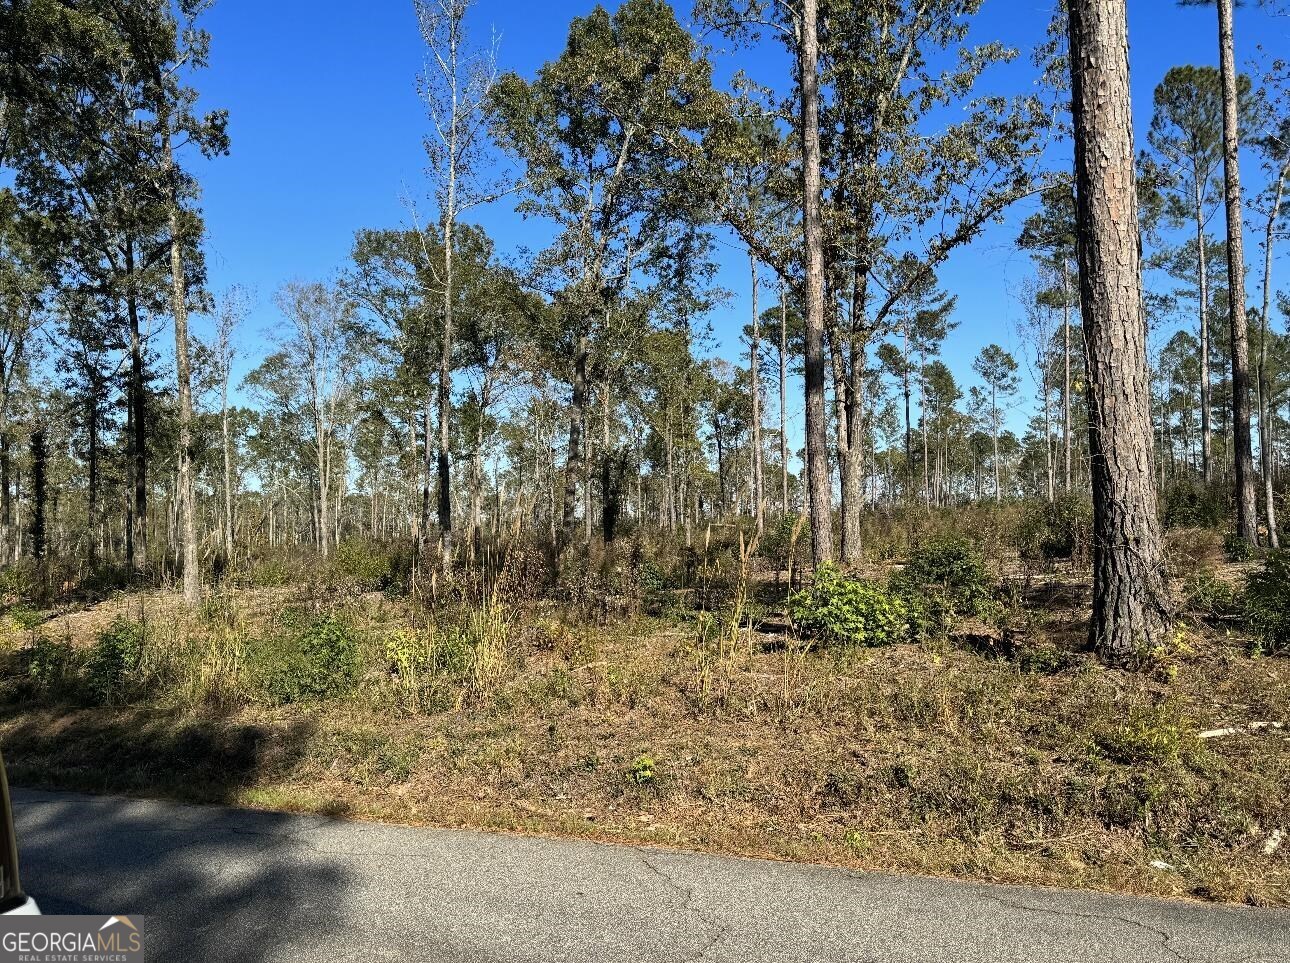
1041,767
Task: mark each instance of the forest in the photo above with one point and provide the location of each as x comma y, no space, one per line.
484,534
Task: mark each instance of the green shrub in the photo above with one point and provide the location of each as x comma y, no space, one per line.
847,611
1148,736
321,662
1237,549
1186,504
948,572
1060,529
112,672
363,563
25,617
642,771
49,661
270,573
1267,602
1209,596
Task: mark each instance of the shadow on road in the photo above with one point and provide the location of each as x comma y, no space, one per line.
215,884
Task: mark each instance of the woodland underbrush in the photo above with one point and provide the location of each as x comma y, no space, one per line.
933,709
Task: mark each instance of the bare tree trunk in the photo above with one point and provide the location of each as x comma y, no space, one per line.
1265,388
444,388
39,491
1131,608
183,363
754,370
574,458
994,435
137,535
1048,432
1202,275
783,398
817,454
1247,517
1066,374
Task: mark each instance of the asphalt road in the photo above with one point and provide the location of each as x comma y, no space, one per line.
231,885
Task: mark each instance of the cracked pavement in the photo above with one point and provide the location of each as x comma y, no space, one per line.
224,884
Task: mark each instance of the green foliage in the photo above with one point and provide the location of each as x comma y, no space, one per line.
842,610
1060,529
1237,549
321,662
1267,602
363,563
112,673
49,661
1209,596
1148,735
1187,504
17,583
949,571
270,573
643,771
25,617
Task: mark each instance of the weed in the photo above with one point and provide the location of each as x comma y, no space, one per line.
842,610
642,772
112,673
1267,602
322,662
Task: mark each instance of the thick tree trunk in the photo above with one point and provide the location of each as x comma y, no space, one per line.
1247,518
1131,608
817,453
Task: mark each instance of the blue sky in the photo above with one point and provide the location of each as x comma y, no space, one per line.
326,135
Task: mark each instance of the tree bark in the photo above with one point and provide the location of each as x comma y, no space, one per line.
783,398
573,459
1131,608
1202,275
137,536
1265,387
1066,374
754,373
1247,518
179,307
39,453
817,455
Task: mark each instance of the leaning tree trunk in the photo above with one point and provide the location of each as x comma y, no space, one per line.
817,452
1131,609
1247,518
